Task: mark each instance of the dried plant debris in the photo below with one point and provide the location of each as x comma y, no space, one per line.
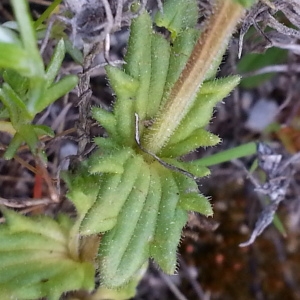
279,174
94,19
262,15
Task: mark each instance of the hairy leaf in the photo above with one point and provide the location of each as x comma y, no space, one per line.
36,259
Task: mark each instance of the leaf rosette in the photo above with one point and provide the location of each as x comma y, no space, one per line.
140,200
39,257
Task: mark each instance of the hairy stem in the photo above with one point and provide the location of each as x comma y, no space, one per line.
216,35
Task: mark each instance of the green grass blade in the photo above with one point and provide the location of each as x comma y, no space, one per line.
228,155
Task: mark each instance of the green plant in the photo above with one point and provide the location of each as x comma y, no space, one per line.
135,190
142,189
28,87
40,257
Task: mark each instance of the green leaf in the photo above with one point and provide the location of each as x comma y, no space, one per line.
30,137
254,61
113,192
246,3
47,13
17,82
177,16
17,109
196,202
83,189
141,237
125,292
193,167
36,261
190,198
119,245
126,87
111,163
169,224
198,138
227,155
160,56
73,51
200,113
55,63
22,14
106,119
55,91
13,146
41,130
14,57
107,144
138,59
124,84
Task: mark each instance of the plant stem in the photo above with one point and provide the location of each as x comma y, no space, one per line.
216,35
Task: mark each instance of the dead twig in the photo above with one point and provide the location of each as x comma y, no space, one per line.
24,202
279,174
264,13
274,69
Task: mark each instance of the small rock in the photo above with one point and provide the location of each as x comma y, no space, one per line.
262,114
